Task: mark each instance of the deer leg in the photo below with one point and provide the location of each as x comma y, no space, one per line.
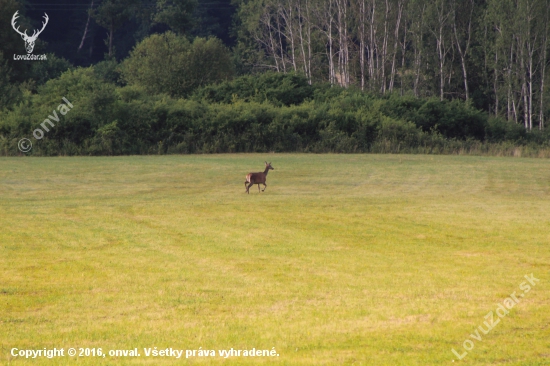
248,188
258,187
265,186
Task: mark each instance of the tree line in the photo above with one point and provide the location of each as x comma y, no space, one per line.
492,51
302,75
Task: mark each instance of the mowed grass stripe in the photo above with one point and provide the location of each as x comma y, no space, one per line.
345,259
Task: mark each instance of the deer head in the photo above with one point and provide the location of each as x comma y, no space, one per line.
268,166
29,41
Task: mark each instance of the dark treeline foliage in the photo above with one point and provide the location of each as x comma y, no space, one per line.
440,76
83,31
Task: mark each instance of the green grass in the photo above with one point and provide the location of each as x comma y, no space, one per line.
344,260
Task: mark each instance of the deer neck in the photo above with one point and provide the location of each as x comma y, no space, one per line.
266,171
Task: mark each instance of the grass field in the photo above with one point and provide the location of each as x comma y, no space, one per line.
344,260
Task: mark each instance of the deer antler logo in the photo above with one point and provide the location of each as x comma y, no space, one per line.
29,41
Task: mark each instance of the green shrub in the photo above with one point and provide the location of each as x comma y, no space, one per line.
168,63
269,112
276,88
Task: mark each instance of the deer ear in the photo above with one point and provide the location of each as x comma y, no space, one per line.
266,163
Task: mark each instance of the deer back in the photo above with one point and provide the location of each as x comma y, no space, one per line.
256,178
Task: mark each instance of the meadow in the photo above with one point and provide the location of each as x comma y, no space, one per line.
343,260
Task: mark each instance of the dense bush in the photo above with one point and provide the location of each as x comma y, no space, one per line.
276,88
270,112
453,119
168,63
51,68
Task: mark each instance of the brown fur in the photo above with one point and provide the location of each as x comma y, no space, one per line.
257,178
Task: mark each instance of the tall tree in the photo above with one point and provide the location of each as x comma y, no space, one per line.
112,14
439,27
168,63
177,14
462,25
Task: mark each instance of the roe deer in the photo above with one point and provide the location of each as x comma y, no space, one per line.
257,178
